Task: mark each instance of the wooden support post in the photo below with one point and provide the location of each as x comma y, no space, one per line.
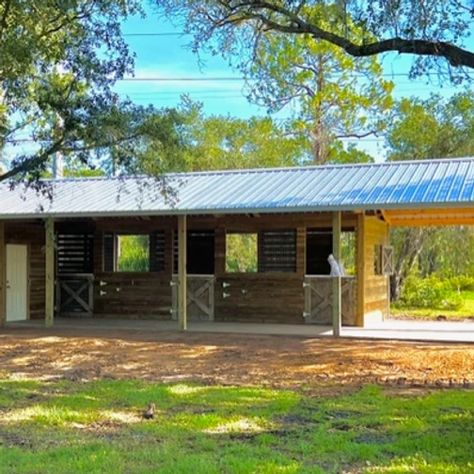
336,283
360,269
3,277
49,273
182,283
219,251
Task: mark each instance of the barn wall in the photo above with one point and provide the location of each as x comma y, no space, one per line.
127,294
253,297
33,235
132,295
260,298
276,297
373,295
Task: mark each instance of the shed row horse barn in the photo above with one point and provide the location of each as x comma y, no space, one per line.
66,255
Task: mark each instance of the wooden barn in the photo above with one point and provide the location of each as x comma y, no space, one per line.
244,245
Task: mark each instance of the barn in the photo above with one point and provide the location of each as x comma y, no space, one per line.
62,251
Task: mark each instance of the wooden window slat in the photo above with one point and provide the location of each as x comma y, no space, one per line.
157,251
277,251
74,253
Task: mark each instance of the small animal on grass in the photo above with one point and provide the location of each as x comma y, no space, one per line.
149,413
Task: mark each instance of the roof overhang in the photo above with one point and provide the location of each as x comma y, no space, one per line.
430,217
395,215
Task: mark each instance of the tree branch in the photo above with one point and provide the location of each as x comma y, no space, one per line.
262,11
32,163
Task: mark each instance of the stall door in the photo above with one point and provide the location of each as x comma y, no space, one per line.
17,282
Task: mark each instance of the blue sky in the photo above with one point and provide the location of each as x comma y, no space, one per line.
168,58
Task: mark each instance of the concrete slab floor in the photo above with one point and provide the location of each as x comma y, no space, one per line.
390,329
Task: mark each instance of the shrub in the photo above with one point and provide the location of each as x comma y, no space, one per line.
462,283
430,293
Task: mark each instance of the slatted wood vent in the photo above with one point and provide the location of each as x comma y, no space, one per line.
74,263
74,253
277,251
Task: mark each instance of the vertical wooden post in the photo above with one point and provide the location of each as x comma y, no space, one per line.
336,283
182,283
3,277
360,269
49,273
387,310
219,252
301,251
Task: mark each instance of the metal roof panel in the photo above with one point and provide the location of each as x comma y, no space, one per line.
393,185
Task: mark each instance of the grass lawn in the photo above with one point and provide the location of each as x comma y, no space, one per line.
466,311
69,427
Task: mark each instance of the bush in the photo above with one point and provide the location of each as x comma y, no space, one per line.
462,283
431,293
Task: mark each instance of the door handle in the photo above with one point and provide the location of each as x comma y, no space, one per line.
7,286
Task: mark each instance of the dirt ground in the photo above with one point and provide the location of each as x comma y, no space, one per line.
277,361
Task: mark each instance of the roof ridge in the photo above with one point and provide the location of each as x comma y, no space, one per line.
258,170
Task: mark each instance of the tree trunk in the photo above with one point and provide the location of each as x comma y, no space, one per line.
320,152
408,244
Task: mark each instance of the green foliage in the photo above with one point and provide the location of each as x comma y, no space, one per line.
459,314
96,427
58,64
348,252
133,253
432,128
422,29
462,283
218,142
430,293
333,95
241,253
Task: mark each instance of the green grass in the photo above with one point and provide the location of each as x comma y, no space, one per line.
466,311
96,427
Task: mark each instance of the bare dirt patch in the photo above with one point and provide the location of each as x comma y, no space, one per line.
272,361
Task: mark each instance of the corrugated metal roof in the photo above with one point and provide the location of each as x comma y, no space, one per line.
396,185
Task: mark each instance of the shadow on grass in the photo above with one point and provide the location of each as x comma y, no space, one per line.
97,427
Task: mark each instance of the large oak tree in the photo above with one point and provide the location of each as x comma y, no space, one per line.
58,63
427,29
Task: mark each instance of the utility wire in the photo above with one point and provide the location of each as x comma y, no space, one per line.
168,33
233,78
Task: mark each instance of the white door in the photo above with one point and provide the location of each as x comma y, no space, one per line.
17,282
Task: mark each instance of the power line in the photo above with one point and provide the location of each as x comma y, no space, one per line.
168,33
181,79
239,79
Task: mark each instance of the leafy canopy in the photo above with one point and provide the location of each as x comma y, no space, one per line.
432,128
58,63
432,31
332,95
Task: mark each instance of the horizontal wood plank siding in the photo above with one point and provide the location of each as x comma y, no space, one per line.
260,298
134,296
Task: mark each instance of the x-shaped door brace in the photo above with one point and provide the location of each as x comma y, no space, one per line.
74,295
193,296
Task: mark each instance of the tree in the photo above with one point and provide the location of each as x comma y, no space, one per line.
432,128
427,29
58,63
224,142
335,96
428,129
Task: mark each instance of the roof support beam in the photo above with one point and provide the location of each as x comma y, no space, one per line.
182,276
336,282
49,273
